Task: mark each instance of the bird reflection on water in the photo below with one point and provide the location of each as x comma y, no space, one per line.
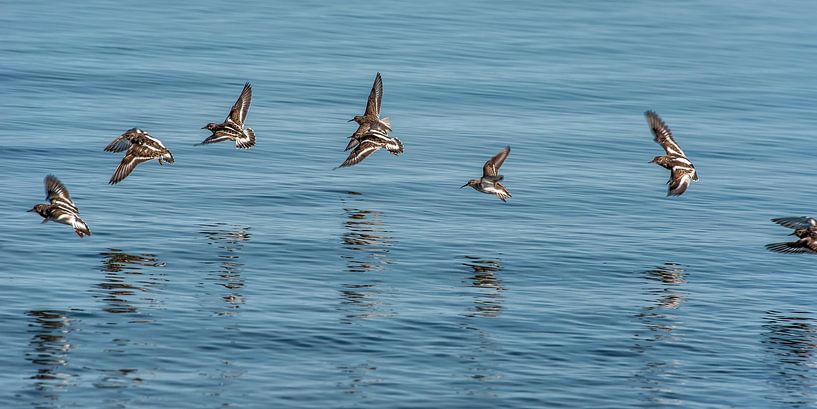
48,352
368,244
790,341
488,300
125,280
229,240
665,289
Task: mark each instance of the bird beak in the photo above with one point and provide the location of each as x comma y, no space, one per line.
792,234
204,127
350,120
463,185
30,210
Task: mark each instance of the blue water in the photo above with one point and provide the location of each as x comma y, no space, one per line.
263,278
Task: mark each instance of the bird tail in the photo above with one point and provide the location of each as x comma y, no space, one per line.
81,228
247,140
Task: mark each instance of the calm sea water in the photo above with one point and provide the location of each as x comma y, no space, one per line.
263,278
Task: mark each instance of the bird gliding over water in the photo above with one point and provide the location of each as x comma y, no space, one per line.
369,143
682,173
141,147
232,129
489,182
61,208
805,228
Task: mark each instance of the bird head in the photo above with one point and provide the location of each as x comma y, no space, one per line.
357,118
472,182
209,126
39,209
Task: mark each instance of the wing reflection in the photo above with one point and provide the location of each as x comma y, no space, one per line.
488,298
48,352
125,285
368,244
229,240
660,372
790,340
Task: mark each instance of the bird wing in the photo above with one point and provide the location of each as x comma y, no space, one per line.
802,222
804,245
662,134
680,178
127,165
491,167
242,105
362,151
57,194
500,191
223,134
375,97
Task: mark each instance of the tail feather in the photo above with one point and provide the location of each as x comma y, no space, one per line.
247,140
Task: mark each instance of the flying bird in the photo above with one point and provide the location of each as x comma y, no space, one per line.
61,208
371,118
232,129
489,182
141,147
805,228
682,173
369,143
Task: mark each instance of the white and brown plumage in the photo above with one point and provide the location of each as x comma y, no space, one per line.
682,172
141,147
489,182
370,143
61,207
232,129
805,228
370,120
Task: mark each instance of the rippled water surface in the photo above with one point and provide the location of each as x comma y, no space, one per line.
263,278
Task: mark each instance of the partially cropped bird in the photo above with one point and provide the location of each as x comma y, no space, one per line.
805,228
232,129
682,173
61,208
489,182
141,147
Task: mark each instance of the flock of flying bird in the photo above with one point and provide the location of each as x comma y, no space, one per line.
372,135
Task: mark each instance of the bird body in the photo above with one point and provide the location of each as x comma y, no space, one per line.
370,143
61,207
232,129
141,147
682,172
489,182
370,120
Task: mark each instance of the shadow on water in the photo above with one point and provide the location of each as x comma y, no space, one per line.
790,341
229,240
48,352
367,243
488,298
125,285
665,291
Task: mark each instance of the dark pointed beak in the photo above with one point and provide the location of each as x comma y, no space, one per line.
463,185
794,233
351,120
30,210
204,127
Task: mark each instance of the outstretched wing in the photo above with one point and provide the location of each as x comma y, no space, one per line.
362,151
662,134
375,97
491,167
57,194
802,222
238,113
127,165
804,245
133,136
